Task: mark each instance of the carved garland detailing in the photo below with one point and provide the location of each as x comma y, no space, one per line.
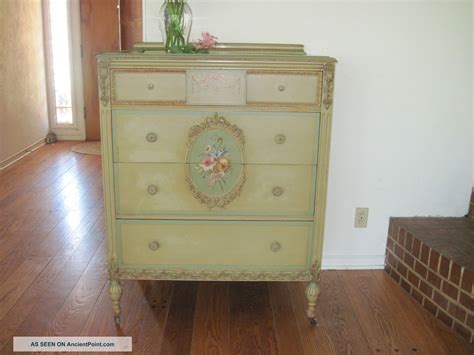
215,122
328,86
226,275
211,122
104,82
113,269
316,271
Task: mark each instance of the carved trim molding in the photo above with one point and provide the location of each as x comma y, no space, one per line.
316,271
104,86
225,275
213,122
113,269
328,86
283,72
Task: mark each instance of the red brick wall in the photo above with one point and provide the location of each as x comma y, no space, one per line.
441,286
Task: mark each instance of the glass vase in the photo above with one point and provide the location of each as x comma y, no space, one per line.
176,19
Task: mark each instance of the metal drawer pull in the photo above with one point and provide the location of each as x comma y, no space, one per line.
280,138
275,246
277,191
151,86
154,245
281,88
152,189
151,137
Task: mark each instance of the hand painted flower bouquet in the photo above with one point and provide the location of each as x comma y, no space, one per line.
215,164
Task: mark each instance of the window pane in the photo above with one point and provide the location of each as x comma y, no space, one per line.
59,16
64,115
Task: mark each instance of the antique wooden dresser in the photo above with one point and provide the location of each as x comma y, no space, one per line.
215,166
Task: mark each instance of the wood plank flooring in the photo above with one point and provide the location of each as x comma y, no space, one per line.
53,281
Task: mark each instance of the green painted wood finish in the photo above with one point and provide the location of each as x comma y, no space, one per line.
127,116
257,197
214,245
172,126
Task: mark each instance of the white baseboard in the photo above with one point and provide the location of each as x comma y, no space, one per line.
352,262
17,156
70,137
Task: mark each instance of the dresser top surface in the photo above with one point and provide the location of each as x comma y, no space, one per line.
234,52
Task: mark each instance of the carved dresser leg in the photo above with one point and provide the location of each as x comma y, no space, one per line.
115,291
312,292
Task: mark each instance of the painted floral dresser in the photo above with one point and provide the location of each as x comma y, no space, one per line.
215,166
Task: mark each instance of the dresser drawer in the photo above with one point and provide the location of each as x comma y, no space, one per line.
162,135
148,86
243,244
216,87
288,88
266,190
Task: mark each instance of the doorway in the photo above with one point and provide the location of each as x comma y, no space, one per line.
64,68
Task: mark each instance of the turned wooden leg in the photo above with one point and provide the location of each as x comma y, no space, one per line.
312,292
115,291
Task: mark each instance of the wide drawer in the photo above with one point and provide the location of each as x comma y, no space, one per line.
288,88
238,244
148,86
163,135
266,190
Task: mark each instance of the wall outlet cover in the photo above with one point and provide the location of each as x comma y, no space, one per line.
361,217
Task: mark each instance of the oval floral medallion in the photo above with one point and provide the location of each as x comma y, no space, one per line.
215,157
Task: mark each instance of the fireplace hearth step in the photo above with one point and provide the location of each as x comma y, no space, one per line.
433,260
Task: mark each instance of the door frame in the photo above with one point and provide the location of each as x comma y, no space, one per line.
76,130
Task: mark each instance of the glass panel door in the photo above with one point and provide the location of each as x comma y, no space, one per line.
61,60
64,72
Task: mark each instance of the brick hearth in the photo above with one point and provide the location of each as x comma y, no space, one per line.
433,260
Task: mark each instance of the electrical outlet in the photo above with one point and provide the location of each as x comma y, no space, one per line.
361,217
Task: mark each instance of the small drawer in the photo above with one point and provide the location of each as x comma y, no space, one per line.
148,86
268,190
242,244
287,88
162,136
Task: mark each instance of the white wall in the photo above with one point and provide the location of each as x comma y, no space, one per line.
23,107
402,131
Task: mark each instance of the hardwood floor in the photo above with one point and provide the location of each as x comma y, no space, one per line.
53,281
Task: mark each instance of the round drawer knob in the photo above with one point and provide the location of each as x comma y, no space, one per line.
277,191
152,189
151,86
280,138
154,245
275,246
151,137
281,88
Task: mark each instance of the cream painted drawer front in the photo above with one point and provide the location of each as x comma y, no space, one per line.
269,190
216,87
284,88
142,87
234,244
270,138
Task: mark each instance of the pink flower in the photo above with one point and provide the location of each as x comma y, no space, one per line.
207,163
208,41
